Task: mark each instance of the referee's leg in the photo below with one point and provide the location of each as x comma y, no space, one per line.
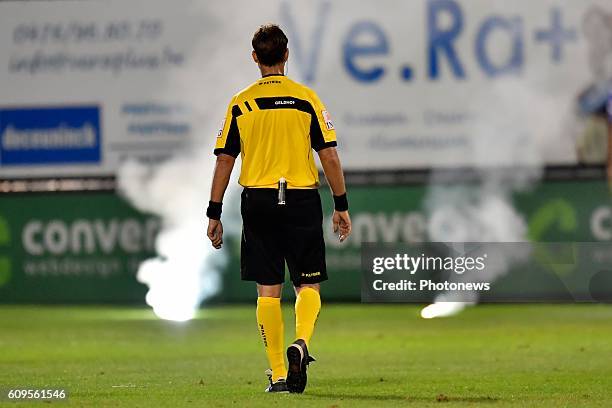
307,308
271,328
261,260
305,258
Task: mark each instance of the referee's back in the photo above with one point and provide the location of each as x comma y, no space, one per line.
274,124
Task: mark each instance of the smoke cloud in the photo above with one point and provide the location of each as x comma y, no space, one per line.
506,158
187,270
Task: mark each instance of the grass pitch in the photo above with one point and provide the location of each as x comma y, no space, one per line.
368,355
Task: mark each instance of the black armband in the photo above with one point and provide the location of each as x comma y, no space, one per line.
214,210
341,202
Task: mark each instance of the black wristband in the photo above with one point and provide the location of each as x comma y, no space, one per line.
341,202
214,210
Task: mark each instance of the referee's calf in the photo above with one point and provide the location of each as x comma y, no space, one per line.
274,125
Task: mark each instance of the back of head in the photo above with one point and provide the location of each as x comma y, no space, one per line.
270,44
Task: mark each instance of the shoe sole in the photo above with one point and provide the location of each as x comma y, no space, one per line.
296,374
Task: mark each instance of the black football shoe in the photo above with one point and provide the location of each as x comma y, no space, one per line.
279,385
298,358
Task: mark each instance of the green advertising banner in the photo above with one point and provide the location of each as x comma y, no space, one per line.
554,211
86,247
72,247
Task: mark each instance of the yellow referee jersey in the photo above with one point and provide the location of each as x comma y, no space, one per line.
274,125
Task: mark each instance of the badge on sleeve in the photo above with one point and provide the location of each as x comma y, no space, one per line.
327,119
220,132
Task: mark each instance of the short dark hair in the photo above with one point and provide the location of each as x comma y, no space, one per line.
270,44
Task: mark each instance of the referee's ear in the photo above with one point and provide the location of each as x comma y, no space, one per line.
254,54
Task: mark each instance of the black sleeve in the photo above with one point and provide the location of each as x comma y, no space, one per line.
317,141
232,142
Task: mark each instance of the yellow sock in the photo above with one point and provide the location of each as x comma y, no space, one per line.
307,307
271,329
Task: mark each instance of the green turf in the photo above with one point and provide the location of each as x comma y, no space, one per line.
368,355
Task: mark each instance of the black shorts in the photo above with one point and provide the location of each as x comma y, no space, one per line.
273,234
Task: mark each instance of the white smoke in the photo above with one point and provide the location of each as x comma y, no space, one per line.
187,269
506,158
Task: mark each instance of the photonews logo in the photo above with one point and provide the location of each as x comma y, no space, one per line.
5,261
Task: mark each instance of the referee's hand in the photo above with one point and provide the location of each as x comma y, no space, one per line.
342,224
215,233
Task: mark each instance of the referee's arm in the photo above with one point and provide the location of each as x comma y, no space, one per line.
335,178
221,177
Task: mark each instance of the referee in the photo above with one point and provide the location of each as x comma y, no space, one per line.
274,125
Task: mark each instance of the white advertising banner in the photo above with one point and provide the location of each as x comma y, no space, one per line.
409,84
